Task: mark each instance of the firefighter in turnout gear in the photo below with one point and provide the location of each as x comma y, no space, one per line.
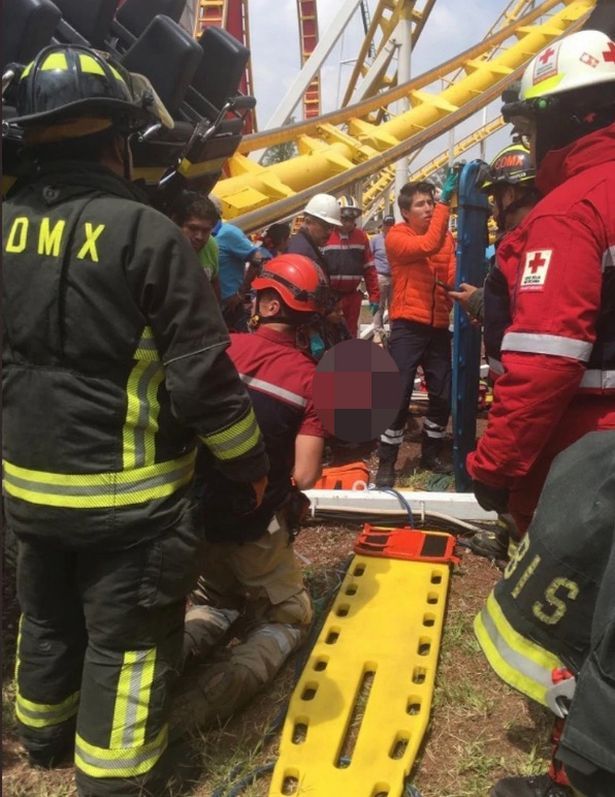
558,344
114,366
251,583
548,628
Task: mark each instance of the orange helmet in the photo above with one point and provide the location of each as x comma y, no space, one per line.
298,280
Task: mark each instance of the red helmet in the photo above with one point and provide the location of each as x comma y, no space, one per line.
299,281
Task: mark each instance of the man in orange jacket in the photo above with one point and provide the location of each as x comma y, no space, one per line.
421,252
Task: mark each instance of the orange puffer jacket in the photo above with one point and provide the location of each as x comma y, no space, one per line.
416,262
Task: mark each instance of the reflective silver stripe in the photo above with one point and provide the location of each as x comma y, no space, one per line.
608,258
433,430
146,347
235,439
527,670
41,715
100,762
536,343
596,379
344,248
393,437
146,422
273,390
345,277
495,365
113,487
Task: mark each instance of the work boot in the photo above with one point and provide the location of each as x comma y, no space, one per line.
431,449
491,543
385,475
530,786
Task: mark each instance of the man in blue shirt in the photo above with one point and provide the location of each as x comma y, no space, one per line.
235,249
384,276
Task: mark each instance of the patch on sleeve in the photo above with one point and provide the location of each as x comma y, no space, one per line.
535,269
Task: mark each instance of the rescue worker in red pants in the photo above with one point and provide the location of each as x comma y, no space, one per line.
558,274
349,260
114,366
548,628
251,583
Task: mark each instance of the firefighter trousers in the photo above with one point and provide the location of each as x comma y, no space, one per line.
99,644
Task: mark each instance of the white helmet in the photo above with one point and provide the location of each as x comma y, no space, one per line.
581,59
350,205
324,207
567,91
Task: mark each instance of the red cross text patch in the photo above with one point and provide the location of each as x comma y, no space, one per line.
545,64
535,269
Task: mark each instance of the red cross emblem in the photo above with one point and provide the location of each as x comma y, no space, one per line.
609,55
535,269
547,55
537,262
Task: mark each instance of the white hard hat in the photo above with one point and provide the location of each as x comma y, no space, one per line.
324,207
581,59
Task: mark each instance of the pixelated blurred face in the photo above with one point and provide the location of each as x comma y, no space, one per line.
197,231
419,213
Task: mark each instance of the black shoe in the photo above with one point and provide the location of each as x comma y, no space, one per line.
531,786
385,475
492,544
435,465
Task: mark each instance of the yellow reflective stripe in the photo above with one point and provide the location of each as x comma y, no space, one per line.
99,490
101,762
146,347
520,662
55,61
132,699
90,65
544,87
236,440
142,410
17,659
116,74
26,71
45,715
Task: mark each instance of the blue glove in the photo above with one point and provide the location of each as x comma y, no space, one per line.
449,186
373,307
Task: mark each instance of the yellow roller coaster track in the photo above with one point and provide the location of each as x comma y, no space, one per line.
377,191
383,24
331,158
376,186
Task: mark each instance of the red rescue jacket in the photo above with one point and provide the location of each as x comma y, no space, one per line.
559,347
349,260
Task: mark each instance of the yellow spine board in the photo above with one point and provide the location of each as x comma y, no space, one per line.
358,714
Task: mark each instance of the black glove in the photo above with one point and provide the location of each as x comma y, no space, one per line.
493,499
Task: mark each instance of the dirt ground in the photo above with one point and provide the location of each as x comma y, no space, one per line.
479,729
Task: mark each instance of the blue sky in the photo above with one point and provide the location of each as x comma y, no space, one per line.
275,48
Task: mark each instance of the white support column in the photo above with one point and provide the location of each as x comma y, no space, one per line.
404,35
312,65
